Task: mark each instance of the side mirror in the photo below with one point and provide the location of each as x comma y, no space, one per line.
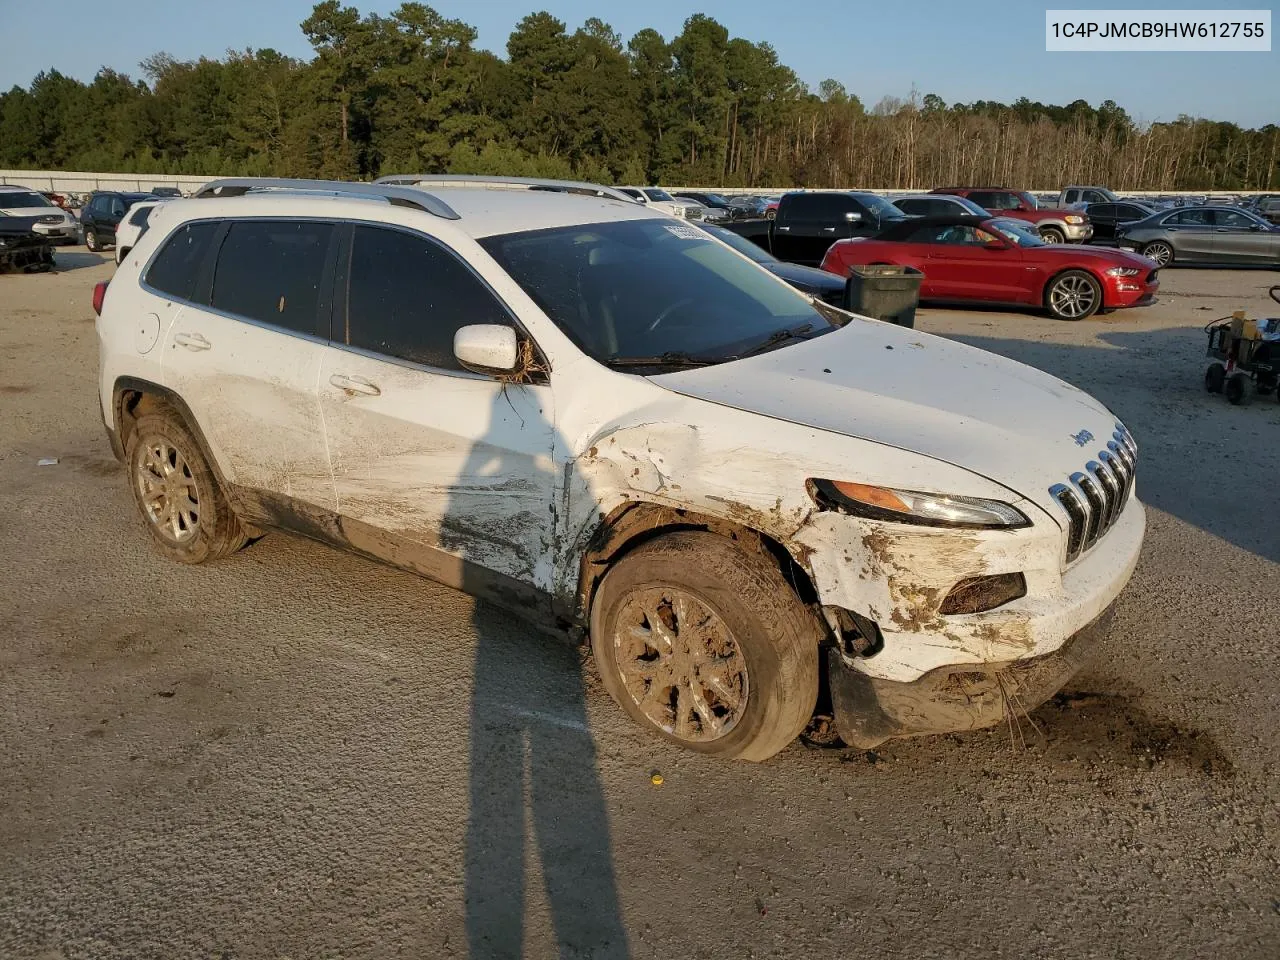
993,245
852,216
486,348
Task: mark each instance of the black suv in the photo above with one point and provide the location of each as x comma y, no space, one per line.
103,213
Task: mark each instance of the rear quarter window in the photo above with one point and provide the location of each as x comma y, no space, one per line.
175,270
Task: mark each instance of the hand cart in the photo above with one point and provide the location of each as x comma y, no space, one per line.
1242,350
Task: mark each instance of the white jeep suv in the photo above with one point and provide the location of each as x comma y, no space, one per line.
613,422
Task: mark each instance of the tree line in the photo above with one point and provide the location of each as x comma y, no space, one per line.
410,93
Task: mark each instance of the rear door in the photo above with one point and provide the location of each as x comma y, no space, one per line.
116,209
1238,238
424,452
1191,233
244,350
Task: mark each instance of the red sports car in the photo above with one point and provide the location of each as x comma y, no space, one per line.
999,260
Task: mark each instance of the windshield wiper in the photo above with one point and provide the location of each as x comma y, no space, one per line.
777,338
672,358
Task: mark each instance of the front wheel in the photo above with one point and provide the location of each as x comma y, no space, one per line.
1214,377
771,214
1160,252
1073,295
1052,235
707,646
91,239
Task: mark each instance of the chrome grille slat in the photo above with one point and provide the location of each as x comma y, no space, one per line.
1095,497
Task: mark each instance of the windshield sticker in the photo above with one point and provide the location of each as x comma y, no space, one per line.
685,232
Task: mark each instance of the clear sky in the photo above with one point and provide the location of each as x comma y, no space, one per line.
964,50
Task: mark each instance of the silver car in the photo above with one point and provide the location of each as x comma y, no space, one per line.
1203,235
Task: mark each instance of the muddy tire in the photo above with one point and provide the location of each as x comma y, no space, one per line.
91,240
707,646
177,494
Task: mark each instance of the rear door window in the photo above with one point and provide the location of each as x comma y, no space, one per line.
408,295
175,271
1189,218
1103,211
272,271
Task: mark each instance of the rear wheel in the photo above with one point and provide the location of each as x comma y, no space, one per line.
1159,251
771,214
1052,235
707,646
1073,295
1214,377
1236,388
186,512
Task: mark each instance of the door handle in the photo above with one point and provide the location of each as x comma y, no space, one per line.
1222,230
783,229
355,385
828,229
192,341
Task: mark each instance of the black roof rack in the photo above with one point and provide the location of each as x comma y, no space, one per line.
395,195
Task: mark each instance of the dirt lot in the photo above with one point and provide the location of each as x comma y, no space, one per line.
297,753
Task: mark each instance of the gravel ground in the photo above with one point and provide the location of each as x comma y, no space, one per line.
298,753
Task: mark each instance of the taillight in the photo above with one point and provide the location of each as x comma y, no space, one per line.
99,293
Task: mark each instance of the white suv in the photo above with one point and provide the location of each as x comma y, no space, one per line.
658,199
611,421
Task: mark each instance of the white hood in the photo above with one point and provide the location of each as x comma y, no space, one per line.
1003,420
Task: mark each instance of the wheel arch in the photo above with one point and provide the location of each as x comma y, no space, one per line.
637,522
1072,268
131,397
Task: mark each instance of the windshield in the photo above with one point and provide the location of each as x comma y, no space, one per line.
656,193
634,289
717,200
741,244
23,201
1017,232
1030,200
882,208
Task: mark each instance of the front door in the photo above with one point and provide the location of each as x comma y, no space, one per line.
444,470
968,263
1238,238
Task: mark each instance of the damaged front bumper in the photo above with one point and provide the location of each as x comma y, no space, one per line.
954,697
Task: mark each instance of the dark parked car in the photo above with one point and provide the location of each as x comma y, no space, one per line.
1268,209
937,205
718,207
749,208
1107,216
103,213
165,192
21,247
807,223
810,280
1204,235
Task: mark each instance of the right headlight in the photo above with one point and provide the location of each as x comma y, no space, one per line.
913,506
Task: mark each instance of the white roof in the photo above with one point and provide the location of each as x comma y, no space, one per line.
481,212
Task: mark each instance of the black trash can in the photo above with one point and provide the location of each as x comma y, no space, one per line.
884,291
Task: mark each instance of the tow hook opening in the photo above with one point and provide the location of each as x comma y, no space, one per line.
980,594
854,634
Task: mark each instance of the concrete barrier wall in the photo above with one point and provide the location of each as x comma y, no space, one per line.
62,181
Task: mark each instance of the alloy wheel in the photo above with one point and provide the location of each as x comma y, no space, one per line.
1073,297
1159,252
680,664
168,492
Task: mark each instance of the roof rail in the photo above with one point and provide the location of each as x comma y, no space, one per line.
580,187
397,196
